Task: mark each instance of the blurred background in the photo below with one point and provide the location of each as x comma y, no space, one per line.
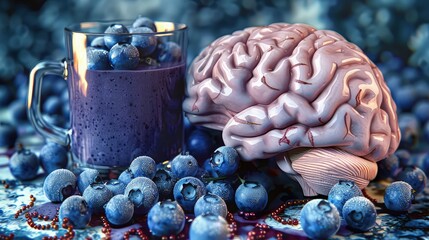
393,33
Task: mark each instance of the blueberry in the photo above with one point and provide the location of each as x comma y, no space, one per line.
210,203
421,111
169,52
320,219
208,168
223,189
115,186
341,192
398,196
143,166
165,182
405,98
18,111
388,167
8,134
59,185
124,56
97,195
409,126
24,164
76,209
404,157
184,165
98,59
166,218
144,22
187,191
251,197
261,178
53,156
209,227
86,178
98,42
116,33
119,210
143,193
126,176
413,176
145,42
53,106
225,161
359,213
56,120
6,95
200,144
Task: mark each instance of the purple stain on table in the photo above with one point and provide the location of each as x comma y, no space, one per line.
117,112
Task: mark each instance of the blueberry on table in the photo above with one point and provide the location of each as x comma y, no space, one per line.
115,186
166,218
398,196
76,210
124,56
144,22
388,167
53,156
8,134
225,161
119,210
320,219
98,59
169,52
223,189
251,197
212,204
143,193
165,182
200,144
126,176
359,213
413,176
143,166
187,191
184,165
260,177
59,185
404,156
53,106
24,164
145,42
341,192
86,178
97,195
116,33
209,227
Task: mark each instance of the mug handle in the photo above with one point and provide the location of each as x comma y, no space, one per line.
46,129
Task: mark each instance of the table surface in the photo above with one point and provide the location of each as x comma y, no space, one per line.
411,225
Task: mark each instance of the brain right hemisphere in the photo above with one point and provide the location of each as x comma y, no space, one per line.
276,88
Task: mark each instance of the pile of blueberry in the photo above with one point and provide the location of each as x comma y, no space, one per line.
164,192
321,219
125,48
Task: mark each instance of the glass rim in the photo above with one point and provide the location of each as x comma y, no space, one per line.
80,26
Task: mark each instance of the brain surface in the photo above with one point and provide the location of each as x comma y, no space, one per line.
275,88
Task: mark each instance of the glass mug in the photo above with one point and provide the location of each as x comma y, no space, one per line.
115,115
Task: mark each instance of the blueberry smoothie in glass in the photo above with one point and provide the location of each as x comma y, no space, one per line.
126,87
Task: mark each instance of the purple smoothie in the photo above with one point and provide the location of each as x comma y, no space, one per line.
121,114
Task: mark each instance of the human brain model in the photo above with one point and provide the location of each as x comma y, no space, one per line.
307,97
